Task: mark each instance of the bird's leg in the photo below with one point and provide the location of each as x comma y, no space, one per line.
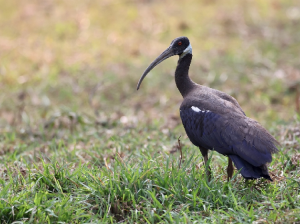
204,153
229,169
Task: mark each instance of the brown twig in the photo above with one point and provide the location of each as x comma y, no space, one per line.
180,149
94,107
107,167
20,108
91,96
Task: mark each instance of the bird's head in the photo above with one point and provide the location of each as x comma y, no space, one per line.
180,46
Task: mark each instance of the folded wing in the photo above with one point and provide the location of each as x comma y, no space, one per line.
229,135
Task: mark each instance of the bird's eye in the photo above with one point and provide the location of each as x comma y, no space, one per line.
179,43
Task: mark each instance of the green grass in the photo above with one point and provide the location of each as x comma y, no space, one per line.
78,144
132,177
146,186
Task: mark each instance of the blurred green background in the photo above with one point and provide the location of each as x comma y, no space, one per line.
83,59
78,143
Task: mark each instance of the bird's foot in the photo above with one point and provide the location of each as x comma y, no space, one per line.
229,169
208,173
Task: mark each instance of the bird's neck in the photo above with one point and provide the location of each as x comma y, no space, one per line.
182,79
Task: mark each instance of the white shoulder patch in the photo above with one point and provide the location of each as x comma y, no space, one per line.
188,50
196,109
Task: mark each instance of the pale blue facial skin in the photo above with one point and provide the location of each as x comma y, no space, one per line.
188,50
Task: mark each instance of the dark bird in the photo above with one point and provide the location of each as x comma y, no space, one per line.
214,120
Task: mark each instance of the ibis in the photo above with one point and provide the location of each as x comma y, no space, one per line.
214,120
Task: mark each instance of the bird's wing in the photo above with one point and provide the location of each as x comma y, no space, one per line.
228,98
229,134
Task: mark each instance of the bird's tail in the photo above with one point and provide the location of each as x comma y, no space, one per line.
249,171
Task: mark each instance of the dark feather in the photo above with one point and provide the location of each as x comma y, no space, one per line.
239,137
249,171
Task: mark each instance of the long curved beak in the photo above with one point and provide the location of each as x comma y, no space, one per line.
166,54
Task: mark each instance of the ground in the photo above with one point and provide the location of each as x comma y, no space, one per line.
79,144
